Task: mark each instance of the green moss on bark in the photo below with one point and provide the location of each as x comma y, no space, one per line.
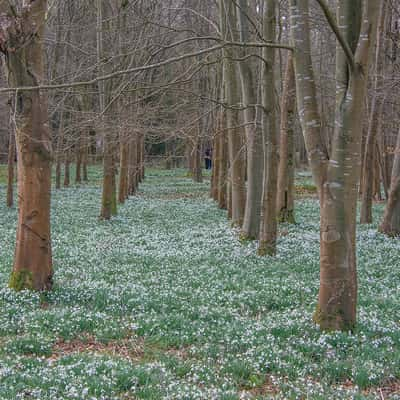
21,280
332,322
286,215
266,249
114,205
244,238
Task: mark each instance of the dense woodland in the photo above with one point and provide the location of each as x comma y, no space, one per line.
261,90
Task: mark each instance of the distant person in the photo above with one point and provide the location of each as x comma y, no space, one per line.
208,158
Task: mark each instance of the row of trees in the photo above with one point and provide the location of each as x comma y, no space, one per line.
245,77
257,202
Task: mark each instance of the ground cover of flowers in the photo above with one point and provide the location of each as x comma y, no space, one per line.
164,302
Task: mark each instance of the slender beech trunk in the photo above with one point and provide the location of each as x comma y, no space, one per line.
78,152
67,169
60,141
133,165
25,64
56,61
216,161
197,172
233,99
254,140
229,198
139,160
374,126
123,170
287,148
109,201
223,164
10,169
391,219
142,158
337,179
387,166
58,172
268,228
85,156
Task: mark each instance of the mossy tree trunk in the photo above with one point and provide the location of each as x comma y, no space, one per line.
337,176
21,40
109,196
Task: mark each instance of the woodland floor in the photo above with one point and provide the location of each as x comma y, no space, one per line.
164,302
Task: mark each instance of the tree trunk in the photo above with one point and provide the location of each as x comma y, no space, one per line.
197,172
374,126
254,140
123,170
25,64
268,228
391,219
139,160
235,136
223,165
67,169
85,159
78,171
286,172
133,165
109,199
10,174
216,162
142,167
60,142
337,179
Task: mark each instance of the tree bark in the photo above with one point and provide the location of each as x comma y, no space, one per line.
133,165
223,165
254,140
216,161
109,200
142,170
197,172
78,152
85,158
235,135
60,142
337,179
67,168
374,127
25,64
391,220
268,227
286,171
123,170
10,169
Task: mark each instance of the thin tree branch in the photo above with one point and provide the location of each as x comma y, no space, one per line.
142,68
